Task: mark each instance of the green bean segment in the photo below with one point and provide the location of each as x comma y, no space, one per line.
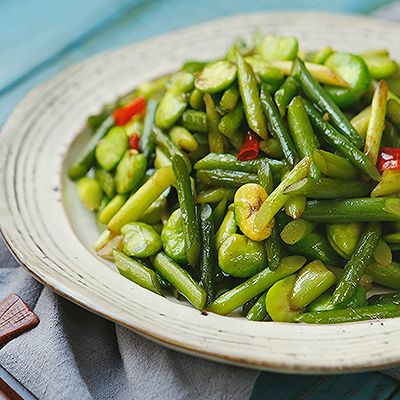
181,280
136,272
255,285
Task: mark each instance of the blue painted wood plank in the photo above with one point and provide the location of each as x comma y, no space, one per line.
32,32
366,386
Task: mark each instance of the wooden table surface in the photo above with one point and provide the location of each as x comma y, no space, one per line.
38,38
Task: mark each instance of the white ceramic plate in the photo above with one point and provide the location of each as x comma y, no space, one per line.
50,233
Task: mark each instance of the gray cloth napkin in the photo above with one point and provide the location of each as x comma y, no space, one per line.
74,354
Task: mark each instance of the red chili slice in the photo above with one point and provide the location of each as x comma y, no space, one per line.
250,147
124,114
134,142
389,158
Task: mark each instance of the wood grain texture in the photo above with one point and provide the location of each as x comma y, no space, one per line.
51,234
15,318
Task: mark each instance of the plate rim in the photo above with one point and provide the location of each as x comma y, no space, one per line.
79,299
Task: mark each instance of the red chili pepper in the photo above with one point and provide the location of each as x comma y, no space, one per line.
123,114
134,142
250,147
389,158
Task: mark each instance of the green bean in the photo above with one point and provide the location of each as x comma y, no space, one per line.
311,281
216,76
247,306
230,162
277,199
236,140
265,176
352,210
231,121
173,238
278,126
136,272
361,121
89,193
219,212
321,55
143,198
270,76
174,101
168,146
154,213
385,275
183,138
296,230
393,109
328,188
250,97
302,133
320,73
229,100
315,246
344,237
258,311
334,166
391,136
195,121
196,100
106,182
285,94
214,135
322,303
318,95
376,122
215,195
87,159
392,237
272,148
181,280
111,148
202,149
343,145
140,240
383,254
388,298
208,262
225,178
146,143
255,285
358,263
112,207
161,159
295,206
273,249
130,171
164,283
227,228
188,209
350,314
389,184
